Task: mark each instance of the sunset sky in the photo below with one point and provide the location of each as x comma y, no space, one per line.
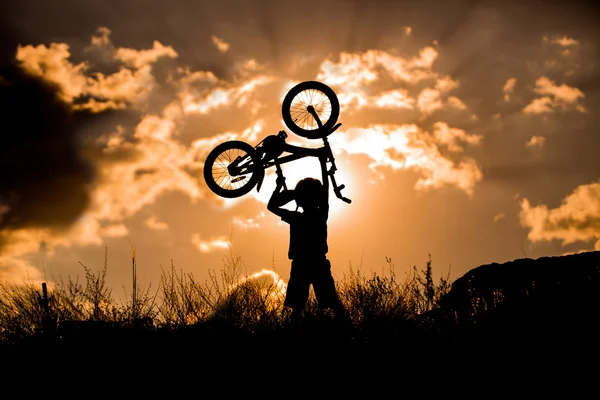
469,132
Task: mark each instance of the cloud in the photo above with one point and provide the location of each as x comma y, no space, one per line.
554,98
379,79
564,41
132,169
95,91
248,223
409,147
240,94
509,88
429,100
395,98
220,44
44,178
457,103
446,84
114,230
536,141
352,70
576,219
19,245
432,99
18,271
499,217
139,59
451,137
157,163
542,105
153,223
389,99
210,245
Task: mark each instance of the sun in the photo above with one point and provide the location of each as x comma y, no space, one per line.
297,170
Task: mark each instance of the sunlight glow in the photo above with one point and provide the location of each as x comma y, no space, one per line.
300,169
269,283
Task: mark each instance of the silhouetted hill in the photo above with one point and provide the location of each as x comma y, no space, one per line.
549,301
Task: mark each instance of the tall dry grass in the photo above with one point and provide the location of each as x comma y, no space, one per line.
227,298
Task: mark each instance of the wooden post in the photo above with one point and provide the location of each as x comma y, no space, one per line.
44,303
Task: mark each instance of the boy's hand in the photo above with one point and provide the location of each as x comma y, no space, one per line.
280,181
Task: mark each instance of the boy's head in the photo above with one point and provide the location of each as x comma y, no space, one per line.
308,193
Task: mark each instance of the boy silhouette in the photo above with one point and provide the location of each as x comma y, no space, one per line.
308,242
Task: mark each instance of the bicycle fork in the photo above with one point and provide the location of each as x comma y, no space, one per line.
331,172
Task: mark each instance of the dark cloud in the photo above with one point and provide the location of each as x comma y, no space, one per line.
43,178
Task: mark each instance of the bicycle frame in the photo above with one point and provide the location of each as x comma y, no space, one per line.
269,152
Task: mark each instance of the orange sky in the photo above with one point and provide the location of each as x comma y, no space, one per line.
466,134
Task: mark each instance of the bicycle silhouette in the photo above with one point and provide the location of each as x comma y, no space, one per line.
310,109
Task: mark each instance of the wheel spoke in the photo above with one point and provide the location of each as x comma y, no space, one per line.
299,109
220,171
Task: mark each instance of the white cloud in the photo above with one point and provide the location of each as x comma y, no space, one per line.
409,147
210,245
499,217
248,223
536,141
429,100
220,44
139,59
542,105
240,94
395,98
159,164
509,88
576,219
450,137
554,98
563,41
153,223
353,70
455,102
446,84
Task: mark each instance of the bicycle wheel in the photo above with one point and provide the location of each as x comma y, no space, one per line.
216,173
295,109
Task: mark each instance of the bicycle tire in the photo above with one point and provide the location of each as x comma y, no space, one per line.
217,161
299,120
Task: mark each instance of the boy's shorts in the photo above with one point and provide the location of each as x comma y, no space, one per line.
306,272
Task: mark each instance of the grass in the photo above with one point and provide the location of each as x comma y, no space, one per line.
389,315
226,302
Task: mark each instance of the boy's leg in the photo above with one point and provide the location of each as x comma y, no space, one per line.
326,292
297,292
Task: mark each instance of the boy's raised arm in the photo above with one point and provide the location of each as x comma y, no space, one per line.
279,197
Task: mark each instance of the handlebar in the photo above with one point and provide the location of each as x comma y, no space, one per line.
282,135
